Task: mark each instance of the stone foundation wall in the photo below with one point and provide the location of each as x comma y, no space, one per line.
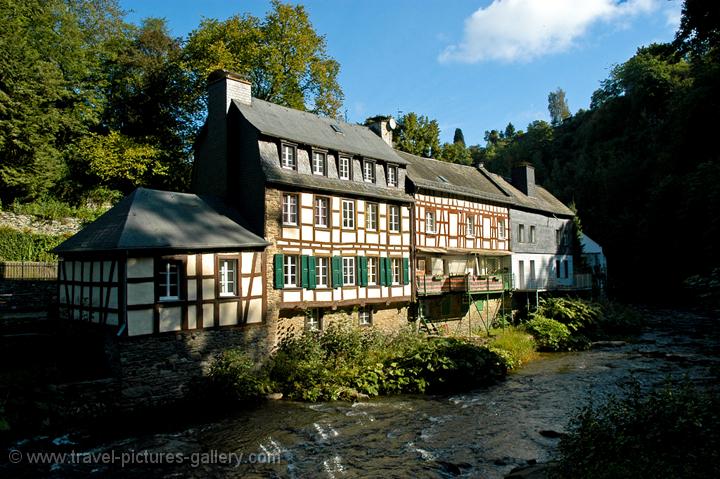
469,321
160,369
28,296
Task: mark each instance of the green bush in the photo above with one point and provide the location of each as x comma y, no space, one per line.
670,432
577,314
516,346
551,335
235,377
344,362
21,246
54,209
618,320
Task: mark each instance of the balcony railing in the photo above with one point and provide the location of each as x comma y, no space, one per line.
440,284
550,282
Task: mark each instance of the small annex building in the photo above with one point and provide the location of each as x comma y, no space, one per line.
161,261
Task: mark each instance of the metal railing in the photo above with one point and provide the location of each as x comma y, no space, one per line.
440,284
550,282
28,270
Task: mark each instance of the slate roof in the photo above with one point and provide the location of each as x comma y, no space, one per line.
542,201
310,129
161,220
458,179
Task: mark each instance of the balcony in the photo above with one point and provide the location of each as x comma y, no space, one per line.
467,283
550,282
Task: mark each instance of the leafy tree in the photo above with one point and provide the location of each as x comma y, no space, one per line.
699,30
459,138
455,153
558,106
418,135
51,86
282,55
509,131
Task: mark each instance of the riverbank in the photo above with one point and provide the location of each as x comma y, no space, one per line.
483,433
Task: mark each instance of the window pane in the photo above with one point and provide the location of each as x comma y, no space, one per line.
290,209
348,271
321,271
348,214
318,163
288,156
290,270
372,265
321,212
344,168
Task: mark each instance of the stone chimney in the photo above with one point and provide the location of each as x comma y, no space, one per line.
383,127
211,154
523,178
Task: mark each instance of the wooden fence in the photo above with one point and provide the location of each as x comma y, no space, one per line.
28,270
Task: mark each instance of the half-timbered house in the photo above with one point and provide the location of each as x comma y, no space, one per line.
462,242
328,196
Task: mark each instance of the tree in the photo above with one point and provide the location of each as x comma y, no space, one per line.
509,131
455,153
51,86
699,30
418,135
459,138
282,55
558,107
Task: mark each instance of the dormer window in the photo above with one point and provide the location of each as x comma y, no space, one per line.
392,175
344,168
288,159
318,163
369,171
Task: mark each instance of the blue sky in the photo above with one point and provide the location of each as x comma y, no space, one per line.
475,65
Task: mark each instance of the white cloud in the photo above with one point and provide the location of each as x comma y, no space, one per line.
673,14
520,30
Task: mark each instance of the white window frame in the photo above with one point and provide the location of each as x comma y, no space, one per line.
369,173
348,270
313,320
392,175
394,218
321,211
288,158
322,270
371,216
348,214
365,317
532,238
345,166
227,273
290,271
501,228
319,163
290,210
396,270
165,283
470,226
430,226
521,233
372,270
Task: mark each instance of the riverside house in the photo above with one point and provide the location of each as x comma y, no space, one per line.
328,196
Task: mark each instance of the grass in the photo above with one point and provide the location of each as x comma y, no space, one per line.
515,345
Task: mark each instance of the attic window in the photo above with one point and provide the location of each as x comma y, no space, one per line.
336,128
443,179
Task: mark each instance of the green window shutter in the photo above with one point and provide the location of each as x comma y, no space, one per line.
388,272
383,272
279,277
312,274
406,271
361,271
304,271
336,271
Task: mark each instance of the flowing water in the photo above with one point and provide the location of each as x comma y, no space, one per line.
484,433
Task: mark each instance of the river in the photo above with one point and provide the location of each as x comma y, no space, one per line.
484,433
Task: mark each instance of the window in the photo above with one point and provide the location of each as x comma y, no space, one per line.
557,268
348,271
501,229
228,277
290,264
392,175
322,212
369,171
396,267
348,214
169,280
394,220
560,237
372,271
318,163
532,234
470,226
365,316
521,233
290,210
430,222
344,168
371,215
321,271
532,270
566,269
288,157
313,320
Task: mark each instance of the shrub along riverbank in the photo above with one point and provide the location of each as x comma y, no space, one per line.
345,362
